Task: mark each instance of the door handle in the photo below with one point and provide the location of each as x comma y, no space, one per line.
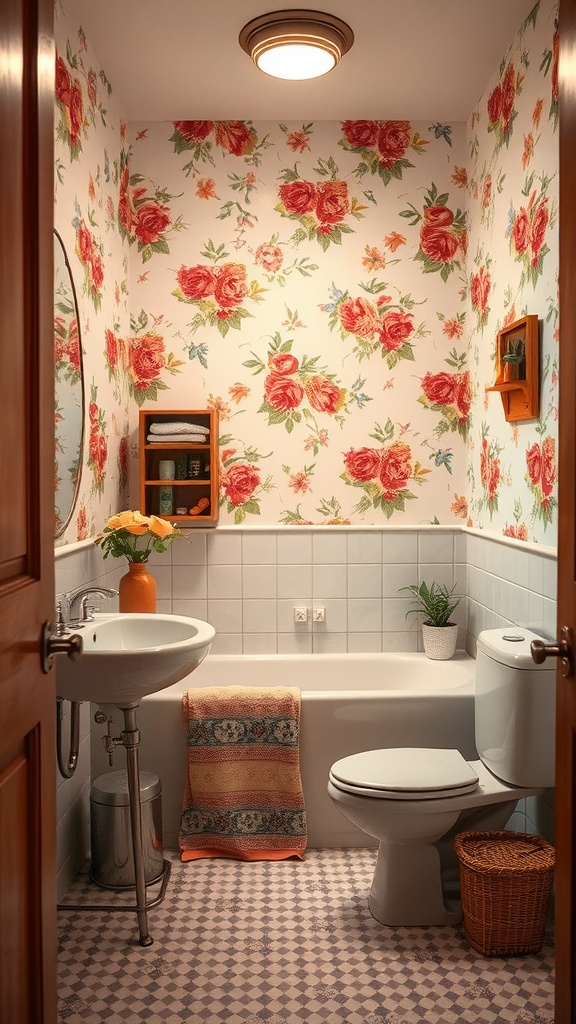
563,650
52,644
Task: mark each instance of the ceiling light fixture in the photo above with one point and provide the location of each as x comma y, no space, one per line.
296,45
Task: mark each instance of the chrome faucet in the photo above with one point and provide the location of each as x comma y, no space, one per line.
78,609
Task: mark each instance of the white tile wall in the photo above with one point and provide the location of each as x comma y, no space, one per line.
508,584
77,566
257,577
247,582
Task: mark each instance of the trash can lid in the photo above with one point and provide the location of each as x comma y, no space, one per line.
112,788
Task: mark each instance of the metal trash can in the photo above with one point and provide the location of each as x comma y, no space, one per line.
111,835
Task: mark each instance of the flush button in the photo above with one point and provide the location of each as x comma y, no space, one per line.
513,639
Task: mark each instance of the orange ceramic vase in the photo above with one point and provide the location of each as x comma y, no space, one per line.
137,589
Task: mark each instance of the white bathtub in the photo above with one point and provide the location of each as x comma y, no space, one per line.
349,703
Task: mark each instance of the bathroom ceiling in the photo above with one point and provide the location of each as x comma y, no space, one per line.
413,59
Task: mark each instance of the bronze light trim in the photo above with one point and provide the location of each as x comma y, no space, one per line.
322,35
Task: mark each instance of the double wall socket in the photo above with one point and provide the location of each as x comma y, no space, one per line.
303,614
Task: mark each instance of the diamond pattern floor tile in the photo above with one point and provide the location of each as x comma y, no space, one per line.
283,943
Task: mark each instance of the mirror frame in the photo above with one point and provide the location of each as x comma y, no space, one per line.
63,523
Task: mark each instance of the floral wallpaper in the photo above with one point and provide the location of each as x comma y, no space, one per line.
88,142
512,163
307,281
334,289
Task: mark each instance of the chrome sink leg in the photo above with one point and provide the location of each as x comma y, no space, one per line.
131,741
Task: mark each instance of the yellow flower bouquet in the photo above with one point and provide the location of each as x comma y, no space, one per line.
134,536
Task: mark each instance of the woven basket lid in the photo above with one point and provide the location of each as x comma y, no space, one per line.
499,852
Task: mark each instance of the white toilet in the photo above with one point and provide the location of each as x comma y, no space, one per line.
415,800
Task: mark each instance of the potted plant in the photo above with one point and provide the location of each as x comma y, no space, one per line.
436,604
512,359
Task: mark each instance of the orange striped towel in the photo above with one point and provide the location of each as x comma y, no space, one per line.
242,794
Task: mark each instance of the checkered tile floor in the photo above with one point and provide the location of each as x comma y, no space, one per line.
284,943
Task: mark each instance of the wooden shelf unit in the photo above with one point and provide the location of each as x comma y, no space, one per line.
186,490
520,396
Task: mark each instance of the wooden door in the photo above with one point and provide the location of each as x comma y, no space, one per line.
27,695
566,687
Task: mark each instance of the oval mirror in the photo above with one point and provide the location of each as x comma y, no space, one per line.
69,390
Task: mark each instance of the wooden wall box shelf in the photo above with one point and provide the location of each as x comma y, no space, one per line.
517,369
187,491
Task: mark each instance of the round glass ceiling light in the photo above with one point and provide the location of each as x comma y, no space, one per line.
296,45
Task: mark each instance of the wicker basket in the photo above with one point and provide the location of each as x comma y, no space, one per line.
505,882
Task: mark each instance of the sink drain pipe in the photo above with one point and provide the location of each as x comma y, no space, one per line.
68,768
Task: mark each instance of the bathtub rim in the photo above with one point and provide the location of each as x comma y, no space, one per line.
417,659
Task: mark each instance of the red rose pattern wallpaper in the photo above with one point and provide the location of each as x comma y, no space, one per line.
88,143
513,271
334,289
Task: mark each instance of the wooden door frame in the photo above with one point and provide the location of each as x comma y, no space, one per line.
28,939
565,824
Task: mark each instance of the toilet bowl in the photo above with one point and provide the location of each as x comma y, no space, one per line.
415,800
408,886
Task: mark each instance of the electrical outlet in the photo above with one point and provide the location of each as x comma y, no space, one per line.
319,614
300,615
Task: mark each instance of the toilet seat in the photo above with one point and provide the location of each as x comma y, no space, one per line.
405,773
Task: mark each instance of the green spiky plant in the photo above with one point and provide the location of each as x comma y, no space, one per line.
435,602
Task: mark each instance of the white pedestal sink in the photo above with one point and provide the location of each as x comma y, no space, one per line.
124,657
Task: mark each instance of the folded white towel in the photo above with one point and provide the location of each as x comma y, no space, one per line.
178,428
178,438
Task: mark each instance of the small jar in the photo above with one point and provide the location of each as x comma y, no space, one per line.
166,501
193,466
166,469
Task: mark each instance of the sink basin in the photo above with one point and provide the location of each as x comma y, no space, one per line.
126,656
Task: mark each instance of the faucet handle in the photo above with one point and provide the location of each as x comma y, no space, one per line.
79,611
88,611
60,621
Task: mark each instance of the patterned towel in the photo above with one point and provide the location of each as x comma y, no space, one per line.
243,793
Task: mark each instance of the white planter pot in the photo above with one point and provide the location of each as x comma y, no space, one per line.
440,641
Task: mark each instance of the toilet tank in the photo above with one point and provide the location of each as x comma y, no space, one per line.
515,707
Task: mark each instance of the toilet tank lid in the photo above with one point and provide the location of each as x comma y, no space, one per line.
511,646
